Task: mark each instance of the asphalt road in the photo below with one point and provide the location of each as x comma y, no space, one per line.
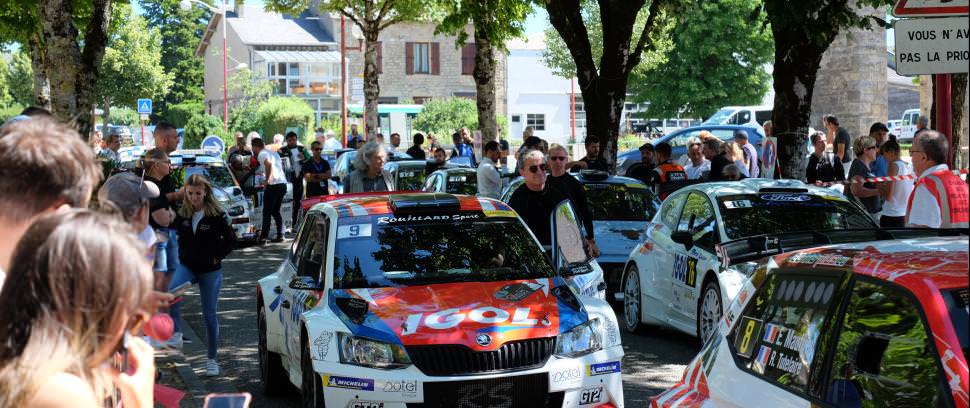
653,361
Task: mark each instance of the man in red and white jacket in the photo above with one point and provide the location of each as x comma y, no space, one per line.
940,198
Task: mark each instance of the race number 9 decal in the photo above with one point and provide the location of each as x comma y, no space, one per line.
749,331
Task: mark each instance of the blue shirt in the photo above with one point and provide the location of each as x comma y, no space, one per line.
879,167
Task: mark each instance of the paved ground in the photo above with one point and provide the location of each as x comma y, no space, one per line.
653,361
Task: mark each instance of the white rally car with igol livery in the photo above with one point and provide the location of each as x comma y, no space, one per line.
435,300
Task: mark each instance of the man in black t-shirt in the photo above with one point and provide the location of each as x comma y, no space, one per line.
840,138
643,170
593,160
415,150
316,172
713,151
535,200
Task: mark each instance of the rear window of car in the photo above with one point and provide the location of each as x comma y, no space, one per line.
422,249
746,215
461,183
409,179
958,305
620,202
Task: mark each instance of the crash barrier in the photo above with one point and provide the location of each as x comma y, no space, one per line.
884,179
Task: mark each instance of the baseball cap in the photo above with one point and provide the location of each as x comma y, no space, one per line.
740,134
127,191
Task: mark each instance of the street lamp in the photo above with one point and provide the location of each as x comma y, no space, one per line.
187,5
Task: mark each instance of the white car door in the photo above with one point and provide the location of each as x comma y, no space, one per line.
697,218
656,279
309,258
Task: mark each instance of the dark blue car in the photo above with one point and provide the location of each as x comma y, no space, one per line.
678,142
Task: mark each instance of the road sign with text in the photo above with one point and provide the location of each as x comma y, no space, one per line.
145,106
927,46
931,8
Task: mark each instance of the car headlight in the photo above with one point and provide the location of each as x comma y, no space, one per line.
371,353
581,340
236,211
747,268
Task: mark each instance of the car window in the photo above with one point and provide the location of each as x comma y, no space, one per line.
670,211
762,116
720,116
619,202
300,242
409,179
314,249
884,356
461,183
777,335
743,117
698,218
431,183
746,215
683,139
219,176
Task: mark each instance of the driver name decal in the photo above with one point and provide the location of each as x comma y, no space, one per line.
423,218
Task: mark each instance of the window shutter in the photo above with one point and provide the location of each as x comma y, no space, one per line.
468,59
409,57
435,64
380,57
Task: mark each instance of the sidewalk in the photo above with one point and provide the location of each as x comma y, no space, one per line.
182,370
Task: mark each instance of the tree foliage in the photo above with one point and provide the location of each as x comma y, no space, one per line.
253,92
125,116
278,113
131,66
20,78
201,126
178,114
180,33
445,116
699,76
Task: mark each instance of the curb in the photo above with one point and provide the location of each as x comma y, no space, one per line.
192,358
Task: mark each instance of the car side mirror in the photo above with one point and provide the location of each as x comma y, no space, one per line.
305,283
684,238
568,247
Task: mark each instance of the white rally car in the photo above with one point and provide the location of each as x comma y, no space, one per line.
435,300
675,277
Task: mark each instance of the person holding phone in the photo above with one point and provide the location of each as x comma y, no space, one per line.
205,238
73,347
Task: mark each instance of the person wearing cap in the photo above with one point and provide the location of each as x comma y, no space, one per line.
880,133
749,152
130,195
644,169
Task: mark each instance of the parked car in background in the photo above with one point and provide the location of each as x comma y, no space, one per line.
405,175
740,115
458,180
907,126
678,142
895,127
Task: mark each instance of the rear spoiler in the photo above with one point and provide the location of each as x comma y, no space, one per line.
308,203
757,247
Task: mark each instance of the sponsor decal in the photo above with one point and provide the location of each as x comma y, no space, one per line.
500,213
786,197
425,218
353,231
820,259
322,344
408,389
350,383
517,291
483,340
612,332
451,318
564,378
603,368
366,404
591,396
685,270
764,355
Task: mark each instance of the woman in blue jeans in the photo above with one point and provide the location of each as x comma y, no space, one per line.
205,237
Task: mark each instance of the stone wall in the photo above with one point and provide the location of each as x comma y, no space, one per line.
851,83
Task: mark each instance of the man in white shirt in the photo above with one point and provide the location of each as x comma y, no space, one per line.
271,166
697,164
489,181
331,142
940,197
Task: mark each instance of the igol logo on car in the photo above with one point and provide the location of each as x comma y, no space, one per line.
603,368
785,197
350,383
483,339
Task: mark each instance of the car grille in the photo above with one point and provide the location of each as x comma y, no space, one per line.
455,359
524,391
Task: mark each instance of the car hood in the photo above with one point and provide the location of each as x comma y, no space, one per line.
616,239
459,313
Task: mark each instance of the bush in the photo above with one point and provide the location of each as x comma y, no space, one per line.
279,113
445,116
9,112
629,142
123,117
178,114
243,119
200,126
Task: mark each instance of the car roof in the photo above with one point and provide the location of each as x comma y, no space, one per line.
354,205
750,128
452,170
754,185
612,179
917,264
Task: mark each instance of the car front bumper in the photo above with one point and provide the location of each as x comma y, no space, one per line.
590,381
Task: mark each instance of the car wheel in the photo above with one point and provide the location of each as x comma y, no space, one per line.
312,386
709,310
271,372
631,300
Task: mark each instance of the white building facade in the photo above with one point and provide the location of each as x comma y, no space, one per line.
538,98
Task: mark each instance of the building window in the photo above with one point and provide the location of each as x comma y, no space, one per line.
304,79
421,100
468,59
536,120
467,95
422,58
516,118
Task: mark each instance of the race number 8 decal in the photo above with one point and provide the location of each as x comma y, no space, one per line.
749,329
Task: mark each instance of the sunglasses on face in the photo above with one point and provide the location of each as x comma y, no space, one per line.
535,169
557,158
871,147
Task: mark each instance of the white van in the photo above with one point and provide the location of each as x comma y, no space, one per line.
907,126
740,115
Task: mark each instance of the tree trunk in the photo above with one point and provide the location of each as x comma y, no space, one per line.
72,89
106,116
484,75
958,95
372,88
42,85
797,61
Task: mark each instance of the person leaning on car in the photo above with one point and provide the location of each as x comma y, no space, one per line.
535,200
573,189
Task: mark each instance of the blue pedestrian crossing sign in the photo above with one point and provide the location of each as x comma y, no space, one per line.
145,106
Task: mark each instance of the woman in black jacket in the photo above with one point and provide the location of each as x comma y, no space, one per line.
205,238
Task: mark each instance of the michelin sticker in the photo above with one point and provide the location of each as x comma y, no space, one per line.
603,368
350,383
565,376
322,344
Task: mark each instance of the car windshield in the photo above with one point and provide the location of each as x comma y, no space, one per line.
219,176
746,215
384,250
410,179
958,304
619,202
719,117
461,183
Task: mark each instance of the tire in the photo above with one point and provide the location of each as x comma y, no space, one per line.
311,390
632,301
710,309
271,372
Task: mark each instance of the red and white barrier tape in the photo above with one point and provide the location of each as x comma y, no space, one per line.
885,179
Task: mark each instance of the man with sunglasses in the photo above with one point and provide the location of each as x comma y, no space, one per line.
294,156
535,200
573,189
316,172
939,199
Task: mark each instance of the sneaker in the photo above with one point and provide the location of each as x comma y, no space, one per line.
175,342
211,368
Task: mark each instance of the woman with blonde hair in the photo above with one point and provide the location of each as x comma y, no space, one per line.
86,286
736,155
205,239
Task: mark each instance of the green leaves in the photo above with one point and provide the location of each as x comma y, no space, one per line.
445,116
201,126
180,31
131,67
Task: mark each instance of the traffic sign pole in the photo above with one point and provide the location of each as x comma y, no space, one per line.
944,111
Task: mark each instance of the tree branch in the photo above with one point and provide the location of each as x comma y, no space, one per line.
642,42
384,9
566,17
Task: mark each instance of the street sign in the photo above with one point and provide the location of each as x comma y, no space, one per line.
932,46
213,143
145,106
769,154
357,89
143,116
931,8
